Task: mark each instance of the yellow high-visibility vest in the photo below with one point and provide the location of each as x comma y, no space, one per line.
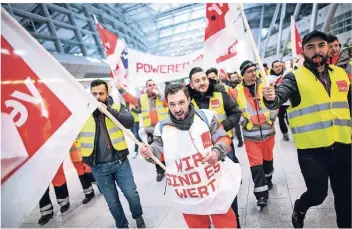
216,103
145,107
252,114
320,120
87,134
134,114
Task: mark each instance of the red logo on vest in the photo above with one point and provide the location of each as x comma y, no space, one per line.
342,85
206,139
215,103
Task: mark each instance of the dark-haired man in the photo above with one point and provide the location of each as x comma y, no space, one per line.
205,94
320,121
154,109
194,142
104,149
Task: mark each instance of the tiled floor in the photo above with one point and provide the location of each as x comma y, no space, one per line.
158,208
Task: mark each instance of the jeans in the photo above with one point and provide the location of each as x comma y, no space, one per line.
106,175
135,130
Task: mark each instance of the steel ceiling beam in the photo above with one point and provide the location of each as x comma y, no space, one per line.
270,28
295,16
328,20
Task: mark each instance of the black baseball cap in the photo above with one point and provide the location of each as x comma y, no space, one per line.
314,33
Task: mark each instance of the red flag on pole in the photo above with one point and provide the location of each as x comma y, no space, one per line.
295,39
224,37
113,48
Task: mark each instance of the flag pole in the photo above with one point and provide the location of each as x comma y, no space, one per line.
255,49
128,133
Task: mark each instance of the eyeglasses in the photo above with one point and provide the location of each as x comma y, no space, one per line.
251,71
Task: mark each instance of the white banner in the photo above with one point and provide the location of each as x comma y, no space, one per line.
144,66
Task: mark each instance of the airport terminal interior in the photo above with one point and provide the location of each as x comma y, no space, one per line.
69,33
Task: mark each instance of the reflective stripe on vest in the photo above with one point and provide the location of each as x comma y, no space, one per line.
145,107
320,120
316,108
87,135
216,103
252,130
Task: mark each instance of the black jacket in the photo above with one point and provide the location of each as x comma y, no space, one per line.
103,150
288,89
231,108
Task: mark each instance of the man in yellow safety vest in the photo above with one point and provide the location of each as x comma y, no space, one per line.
319,117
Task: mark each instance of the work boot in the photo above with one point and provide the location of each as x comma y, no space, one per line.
160,176
270,184
297,217
286,138
240,144
262,202
140,222
45,219
65,207
88,198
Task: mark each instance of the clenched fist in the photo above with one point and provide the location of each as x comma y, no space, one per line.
211,158
269,92
146,151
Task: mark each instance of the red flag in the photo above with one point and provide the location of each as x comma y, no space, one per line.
295,39
43,109
113,48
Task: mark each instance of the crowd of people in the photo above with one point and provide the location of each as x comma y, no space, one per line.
191,128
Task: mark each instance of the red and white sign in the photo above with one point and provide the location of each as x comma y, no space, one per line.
113,48
223,34
43,108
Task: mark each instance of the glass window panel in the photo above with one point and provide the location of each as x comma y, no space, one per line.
59,16
81,23
66,34
47,44
76,9
71,48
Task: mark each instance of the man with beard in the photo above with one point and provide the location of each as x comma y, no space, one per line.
105,150
153,109
278,72
235,79
205,94
319,118
195,145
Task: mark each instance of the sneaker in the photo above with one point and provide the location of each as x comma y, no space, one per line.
160,176
240,144
297,217
262,202
65,207
45,219
140,222
135,154
286,138
88,198
270,184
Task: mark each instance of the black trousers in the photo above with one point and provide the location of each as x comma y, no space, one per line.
317,166
238,133
282,116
